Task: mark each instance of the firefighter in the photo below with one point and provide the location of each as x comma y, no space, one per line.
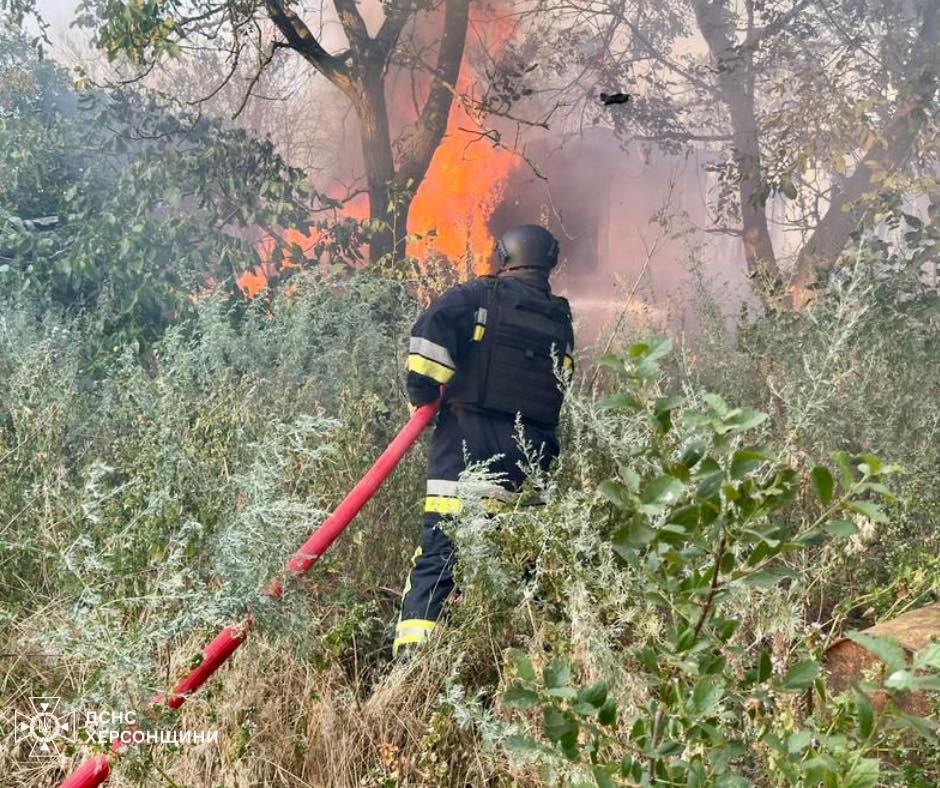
494,344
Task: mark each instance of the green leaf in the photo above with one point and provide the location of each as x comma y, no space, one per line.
726,627
821,769
519,697
559,727
523,665
709,477
727,563
841,528
870,465
638,732
865,713
583,709
173,195
611,362
684,639
822,483
631,537
687,516
887,649
801,675
520,744
863,773
556,673
930,683
662,412
799,741
595,694
658,347
766,578
603,778
744,419
925,728
664,404
607,716
622,401
692,454
901,680
716,403
928,657
764,666
662,491
812,538
630,478
764,549
845,467
668,747
870,510
615,492
706,695
743,461
645,369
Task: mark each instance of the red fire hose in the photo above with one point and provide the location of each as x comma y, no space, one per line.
95,771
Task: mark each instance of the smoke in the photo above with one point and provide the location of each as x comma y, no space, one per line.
631,221
631,225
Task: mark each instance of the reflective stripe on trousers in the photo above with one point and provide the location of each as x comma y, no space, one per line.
479,437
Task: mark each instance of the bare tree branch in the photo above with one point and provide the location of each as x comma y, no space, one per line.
301,40
355,28
389,33
757,36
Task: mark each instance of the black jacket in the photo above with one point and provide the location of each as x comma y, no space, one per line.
458,317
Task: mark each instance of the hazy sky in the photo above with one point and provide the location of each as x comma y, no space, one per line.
58,13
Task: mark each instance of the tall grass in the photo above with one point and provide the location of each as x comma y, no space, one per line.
143,503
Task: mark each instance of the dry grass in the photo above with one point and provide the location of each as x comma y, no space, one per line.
283,722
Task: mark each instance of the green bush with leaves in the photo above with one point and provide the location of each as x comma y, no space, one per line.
113,203
698,516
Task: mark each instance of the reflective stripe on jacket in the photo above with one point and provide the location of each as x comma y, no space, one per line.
442,333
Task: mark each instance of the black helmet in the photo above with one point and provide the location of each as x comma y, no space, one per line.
527,246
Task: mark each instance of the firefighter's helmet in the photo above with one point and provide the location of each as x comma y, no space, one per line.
527,246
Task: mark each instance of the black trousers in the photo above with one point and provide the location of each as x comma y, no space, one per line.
460,436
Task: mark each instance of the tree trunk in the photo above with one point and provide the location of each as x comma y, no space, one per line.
360,74
752,194
893,150
735,75
378,161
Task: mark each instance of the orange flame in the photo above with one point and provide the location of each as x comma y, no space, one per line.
253,283
451,209
465,183
468,175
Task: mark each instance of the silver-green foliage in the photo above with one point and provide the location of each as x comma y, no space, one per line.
143,503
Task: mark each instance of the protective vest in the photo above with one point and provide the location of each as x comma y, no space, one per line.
511,368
